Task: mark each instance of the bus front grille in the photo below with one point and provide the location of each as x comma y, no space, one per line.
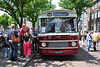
58,44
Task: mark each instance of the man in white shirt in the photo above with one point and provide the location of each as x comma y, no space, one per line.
89,38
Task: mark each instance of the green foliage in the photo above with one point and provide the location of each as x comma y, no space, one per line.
33,9
9,6
14,8
4,20
77,5
12,21
29,9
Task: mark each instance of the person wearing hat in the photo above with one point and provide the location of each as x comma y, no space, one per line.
22,31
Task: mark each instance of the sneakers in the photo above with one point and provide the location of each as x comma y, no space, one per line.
6,58
27,59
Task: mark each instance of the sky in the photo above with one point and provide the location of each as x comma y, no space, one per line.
56,2
53,2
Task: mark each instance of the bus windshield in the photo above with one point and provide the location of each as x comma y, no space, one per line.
57,25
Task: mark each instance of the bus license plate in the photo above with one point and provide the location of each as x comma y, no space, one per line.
58,51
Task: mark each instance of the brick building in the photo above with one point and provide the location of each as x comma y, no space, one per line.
92,17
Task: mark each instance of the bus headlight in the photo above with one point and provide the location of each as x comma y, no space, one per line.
43,44
73,44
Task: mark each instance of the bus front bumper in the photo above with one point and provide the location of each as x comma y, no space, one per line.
58,52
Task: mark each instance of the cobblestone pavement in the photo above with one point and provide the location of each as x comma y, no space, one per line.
7,63
82,59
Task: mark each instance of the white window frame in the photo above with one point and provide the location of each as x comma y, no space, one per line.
85,20
96,5
99,3
99,13
89,10
92,7
88,18
95,14
98,26
92,15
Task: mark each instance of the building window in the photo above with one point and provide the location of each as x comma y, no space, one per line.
85,20
99,3
98,26
96,5
92,16
85,13
94,26
92,7
89,10
89,19
98,13
85,26
95,14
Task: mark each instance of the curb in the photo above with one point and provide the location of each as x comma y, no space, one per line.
30,59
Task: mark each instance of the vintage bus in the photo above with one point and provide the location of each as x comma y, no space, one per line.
57,33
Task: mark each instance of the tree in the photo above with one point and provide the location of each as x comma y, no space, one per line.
77,5
11,21
4,20
34,8
25,8
14,8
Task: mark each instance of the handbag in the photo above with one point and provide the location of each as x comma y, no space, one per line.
29,45
15,39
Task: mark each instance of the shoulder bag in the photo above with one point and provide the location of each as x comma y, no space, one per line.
15,39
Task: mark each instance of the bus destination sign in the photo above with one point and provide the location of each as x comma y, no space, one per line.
60,14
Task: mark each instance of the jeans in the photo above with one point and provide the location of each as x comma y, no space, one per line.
13,51
6,52
89,44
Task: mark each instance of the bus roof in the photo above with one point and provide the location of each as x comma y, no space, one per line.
58,13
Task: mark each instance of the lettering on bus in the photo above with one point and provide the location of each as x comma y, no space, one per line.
60,14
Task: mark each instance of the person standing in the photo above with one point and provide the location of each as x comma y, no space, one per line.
83,39
95,39
5,45
13,46
89,38
22,31
27,38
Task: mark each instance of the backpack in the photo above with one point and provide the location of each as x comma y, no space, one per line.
15,39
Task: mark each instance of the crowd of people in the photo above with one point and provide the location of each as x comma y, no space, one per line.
92,38
26,43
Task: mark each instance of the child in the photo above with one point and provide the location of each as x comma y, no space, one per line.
6,44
